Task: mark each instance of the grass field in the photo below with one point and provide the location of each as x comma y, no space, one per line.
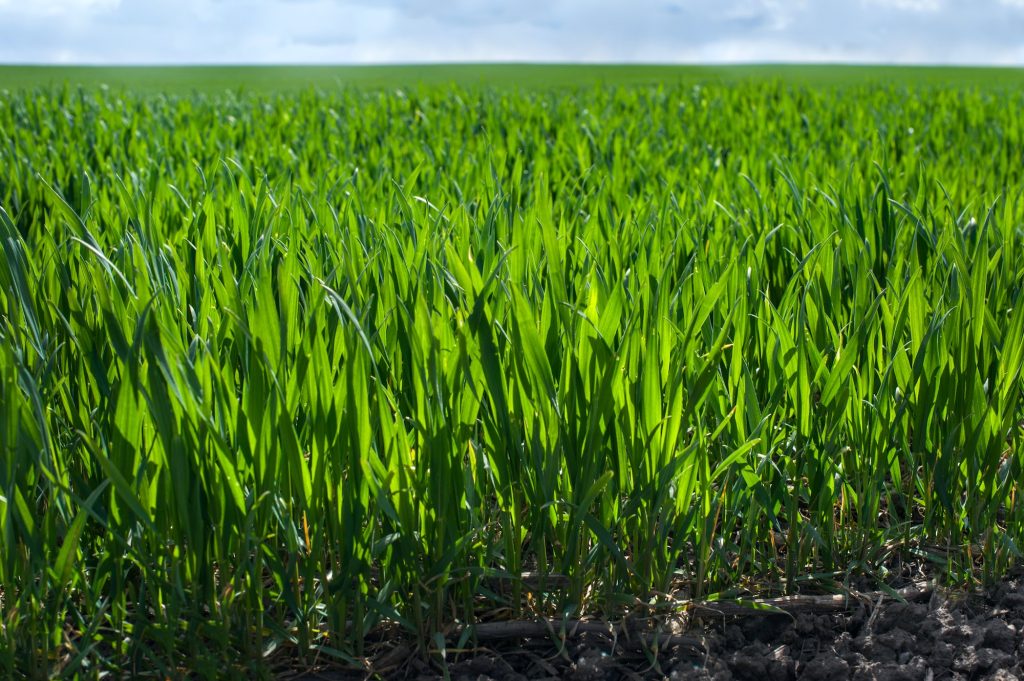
286,368
270,80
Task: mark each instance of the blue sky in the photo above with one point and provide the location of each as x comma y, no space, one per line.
381,31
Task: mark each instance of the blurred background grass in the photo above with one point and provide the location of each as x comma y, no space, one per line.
269,79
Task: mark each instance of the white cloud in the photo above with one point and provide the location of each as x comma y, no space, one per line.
909,5
55,7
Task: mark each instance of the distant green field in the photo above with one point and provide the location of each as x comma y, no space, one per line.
212,79
282,377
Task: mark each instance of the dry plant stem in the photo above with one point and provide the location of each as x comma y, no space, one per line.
793,605
569,629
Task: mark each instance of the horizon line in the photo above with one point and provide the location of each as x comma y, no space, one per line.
520,63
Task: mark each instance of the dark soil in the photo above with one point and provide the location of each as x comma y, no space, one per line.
948,637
